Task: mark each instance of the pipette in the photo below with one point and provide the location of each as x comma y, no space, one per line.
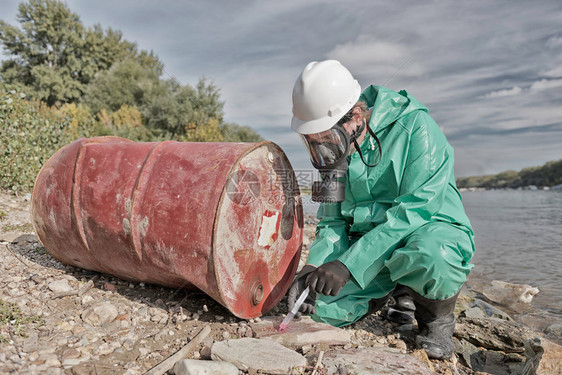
294,310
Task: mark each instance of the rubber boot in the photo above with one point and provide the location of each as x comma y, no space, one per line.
401,309
378,303
436,323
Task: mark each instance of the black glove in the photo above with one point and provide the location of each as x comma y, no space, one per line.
329,278
298,286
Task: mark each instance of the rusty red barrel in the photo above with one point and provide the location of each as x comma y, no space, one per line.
223,217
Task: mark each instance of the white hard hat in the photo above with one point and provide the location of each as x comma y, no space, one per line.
324,92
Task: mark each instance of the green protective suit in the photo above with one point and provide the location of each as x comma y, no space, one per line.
402,221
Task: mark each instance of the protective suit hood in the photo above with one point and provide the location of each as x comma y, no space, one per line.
388,105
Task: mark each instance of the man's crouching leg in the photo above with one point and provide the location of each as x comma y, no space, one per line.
433,264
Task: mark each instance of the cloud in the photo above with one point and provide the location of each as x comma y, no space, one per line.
368,51
554,72
516,90
545,84
554,42
367,56
553,129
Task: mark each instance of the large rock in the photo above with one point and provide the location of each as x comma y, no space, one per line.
258,355
196,367
471,355
488,311
551,359
59,286
368,361
509,294
554,329
31,344
500,347
100,313
544,357
493,345
490,361
493,334
304,331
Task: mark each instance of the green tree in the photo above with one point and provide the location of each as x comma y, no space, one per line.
126,82
236,133
184,108
168,108
54,57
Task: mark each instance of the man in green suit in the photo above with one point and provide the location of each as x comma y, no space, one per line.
395,219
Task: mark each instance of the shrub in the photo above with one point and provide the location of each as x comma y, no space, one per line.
29,134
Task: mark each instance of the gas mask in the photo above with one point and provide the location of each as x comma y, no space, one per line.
328,151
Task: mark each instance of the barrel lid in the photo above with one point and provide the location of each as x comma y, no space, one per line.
257,231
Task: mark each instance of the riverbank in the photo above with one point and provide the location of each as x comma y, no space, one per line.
57,319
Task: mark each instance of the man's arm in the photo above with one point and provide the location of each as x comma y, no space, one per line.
332,235
331,241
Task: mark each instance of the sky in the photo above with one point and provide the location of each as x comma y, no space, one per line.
490,72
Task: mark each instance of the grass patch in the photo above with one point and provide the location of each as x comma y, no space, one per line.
3,215
12,319
27,227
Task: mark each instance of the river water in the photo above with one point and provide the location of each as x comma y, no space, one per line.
518,240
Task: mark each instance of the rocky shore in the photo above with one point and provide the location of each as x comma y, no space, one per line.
58,319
